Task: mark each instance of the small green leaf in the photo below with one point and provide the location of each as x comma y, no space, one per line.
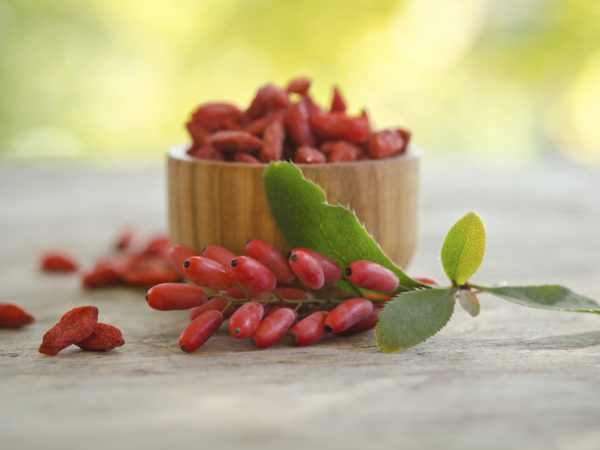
469,302
463,248
549,296
305,219
413,317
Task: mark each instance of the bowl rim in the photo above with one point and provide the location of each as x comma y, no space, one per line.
178,151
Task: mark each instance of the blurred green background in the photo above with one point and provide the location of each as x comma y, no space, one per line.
493,80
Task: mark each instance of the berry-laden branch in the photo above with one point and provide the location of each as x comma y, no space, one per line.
263,294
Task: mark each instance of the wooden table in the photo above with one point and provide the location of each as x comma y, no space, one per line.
512,378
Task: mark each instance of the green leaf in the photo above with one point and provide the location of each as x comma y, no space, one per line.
463,248
413,317
469,302
549,296
305,219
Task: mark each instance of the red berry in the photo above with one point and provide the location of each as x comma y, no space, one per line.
252,274
310,330
216,303
272,258
75,326
106,272
218,254
299,85
124,240
208,273
105,337
13,316
372,276
245,158
178,254
171,296
273,327
338,104
307,269
331,270
148,270
158,246
292,293
58,262
427,280
200,330
348,314
309,155
245,320
366,324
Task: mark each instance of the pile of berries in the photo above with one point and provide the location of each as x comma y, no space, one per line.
266,295
141,264
288,124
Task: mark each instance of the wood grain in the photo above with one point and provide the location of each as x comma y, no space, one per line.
223,203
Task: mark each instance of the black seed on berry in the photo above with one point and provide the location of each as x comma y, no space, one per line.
294,258
187,263
184,348
328,328
234,262
348,271
203,250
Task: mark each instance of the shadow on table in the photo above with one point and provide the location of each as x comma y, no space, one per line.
560,342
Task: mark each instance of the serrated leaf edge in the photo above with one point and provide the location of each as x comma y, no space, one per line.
452,291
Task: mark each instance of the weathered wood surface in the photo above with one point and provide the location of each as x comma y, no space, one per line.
512,378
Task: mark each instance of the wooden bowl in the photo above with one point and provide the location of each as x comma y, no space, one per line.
224,203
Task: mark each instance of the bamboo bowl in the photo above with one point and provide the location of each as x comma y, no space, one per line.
224,203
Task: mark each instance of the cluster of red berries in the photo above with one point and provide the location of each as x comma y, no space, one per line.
265,295
289,124
131,263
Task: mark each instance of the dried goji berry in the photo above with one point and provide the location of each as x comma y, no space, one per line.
157,246
105,337
340,126
297,126
273,137
344,152
310,330
197,132
206,151
235,141
104,273
58,262
75,326
124,240
347,314
246,158
171,296
311,107
268,98
338,103
148,270
200,330
13,316
309,155
214,116
385,143
299,85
